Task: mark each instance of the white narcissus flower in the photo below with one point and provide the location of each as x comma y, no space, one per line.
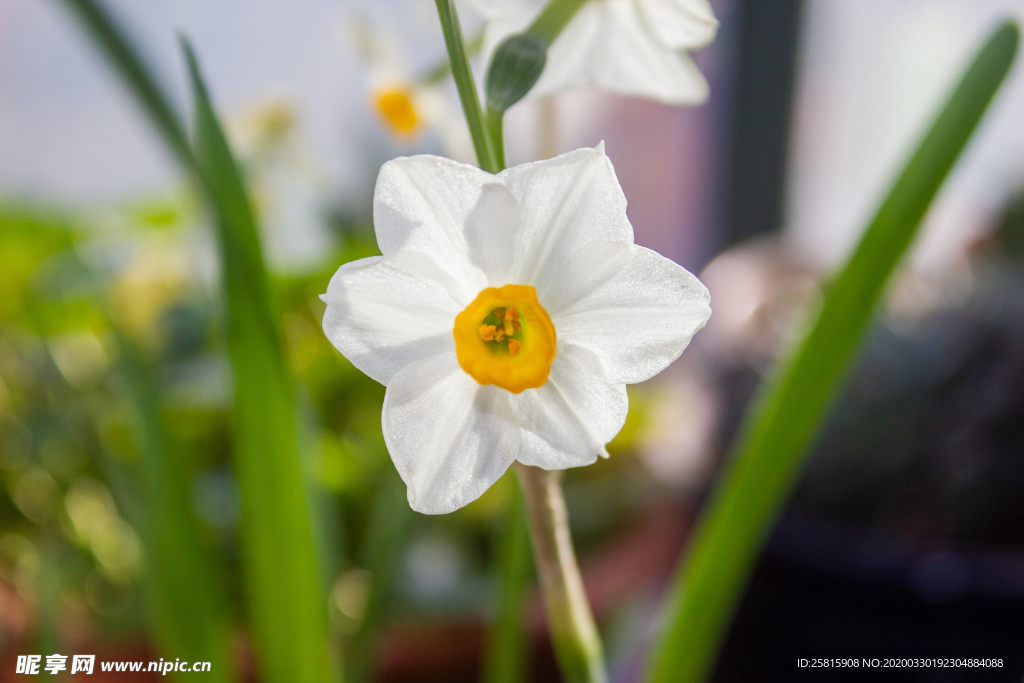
636,48
405,105
506,316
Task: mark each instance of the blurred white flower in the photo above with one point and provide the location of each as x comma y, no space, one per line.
407,105
636,48
289,189
506,316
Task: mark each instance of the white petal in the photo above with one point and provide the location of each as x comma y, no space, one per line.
636,64
680,24
382,318
491,229
575,56
629,47
449,437
421,204
641,320
504,18
609,44
565,203
568,421
590,267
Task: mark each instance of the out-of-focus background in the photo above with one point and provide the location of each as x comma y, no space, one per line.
905,536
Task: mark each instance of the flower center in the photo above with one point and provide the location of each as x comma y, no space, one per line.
395,106
506,338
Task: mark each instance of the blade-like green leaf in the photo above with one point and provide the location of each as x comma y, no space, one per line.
287,611
786,416
186,608
507,653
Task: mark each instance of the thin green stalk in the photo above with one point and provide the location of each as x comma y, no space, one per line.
505,658
496,135
550,22
789,410
573,631
466,86
443,70
136,73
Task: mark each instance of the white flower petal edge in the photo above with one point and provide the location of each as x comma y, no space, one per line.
383,318
568,421
449,437
639,321
680,24
634,63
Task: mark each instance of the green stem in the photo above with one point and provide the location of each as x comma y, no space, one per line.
573,631
466,86
496,134
550,22
443,70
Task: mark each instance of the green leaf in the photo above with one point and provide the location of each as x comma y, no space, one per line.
789,410
287,610
186,608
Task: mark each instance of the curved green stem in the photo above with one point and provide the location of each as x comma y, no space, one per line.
573,631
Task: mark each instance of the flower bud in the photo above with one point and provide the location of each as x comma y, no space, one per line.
517,64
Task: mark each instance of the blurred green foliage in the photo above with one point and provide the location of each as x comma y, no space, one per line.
76,286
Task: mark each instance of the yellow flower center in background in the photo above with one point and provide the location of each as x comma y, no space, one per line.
506,338
396,108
